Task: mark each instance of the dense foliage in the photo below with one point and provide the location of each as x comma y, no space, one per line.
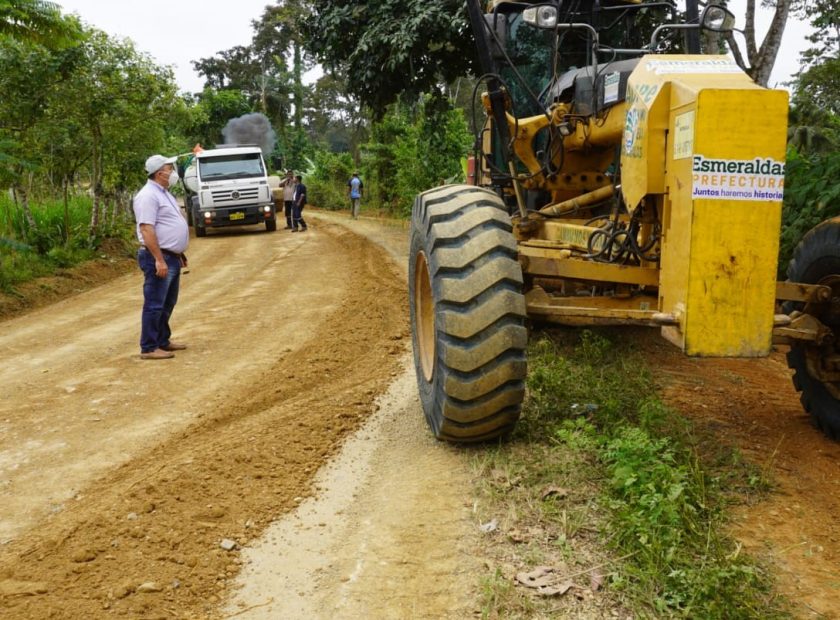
812,195
392,48
411,149
80,114
82,110
812,192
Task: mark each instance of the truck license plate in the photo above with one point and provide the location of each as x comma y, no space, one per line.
239,215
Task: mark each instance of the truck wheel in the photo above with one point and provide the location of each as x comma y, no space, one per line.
816,260
200,231
467,313
271,224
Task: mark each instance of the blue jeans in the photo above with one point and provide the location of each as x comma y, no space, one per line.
159,298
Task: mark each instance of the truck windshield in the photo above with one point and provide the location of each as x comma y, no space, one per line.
231,167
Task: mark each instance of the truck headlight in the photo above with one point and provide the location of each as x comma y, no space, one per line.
266,208
208,214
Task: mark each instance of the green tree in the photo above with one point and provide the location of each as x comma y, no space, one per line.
813,164
34,37
390,48
335,120
414,148
29,76
824,16
259,70
817,86
281,29
269,72
121,101
211,111
39,22
812,195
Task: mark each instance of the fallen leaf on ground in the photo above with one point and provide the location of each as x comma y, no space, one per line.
540,577
557,590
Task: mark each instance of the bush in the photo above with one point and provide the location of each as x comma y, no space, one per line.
27,253
327,178
812,195
412,149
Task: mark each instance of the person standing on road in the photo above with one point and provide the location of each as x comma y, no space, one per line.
288,184
299,204
354,190
164,235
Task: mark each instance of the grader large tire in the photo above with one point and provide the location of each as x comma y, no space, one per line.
816,260
467,313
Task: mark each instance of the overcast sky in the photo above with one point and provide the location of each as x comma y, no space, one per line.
176,32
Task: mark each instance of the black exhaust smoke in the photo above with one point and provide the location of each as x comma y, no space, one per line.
253,128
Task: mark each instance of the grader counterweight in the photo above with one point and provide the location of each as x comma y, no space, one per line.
619,180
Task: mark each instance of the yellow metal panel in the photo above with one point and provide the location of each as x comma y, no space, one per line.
658,85
678,213
571,235
646,122
732,283
737,180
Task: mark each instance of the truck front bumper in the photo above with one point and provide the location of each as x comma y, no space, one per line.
236,216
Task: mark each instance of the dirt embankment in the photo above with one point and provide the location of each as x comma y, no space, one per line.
113,262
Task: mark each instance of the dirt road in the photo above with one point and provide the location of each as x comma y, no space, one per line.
121,479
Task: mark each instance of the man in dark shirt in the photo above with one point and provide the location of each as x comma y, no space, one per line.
300,202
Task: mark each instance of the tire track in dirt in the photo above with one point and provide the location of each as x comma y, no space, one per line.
158,520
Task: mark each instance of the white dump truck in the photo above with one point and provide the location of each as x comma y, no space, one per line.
227,186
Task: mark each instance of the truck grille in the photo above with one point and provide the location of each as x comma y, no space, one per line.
235,195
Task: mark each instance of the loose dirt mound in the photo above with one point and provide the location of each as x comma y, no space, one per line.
150,538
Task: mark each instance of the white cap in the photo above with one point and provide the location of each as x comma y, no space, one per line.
156,162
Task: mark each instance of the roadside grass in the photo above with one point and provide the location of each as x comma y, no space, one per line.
54,244
625,500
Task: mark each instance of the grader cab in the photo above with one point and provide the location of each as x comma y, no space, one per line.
617,182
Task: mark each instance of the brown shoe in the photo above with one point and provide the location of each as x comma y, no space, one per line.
157,354
174,346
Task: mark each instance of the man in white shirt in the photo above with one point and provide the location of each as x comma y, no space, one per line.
288,184
164,235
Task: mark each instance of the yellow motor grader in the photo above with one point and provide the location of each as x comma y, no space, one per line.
616,182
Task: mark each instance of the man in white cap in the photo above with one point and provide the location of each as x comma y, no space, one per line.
164,235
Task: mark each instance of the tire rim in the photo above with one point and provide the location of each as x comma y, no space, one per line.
424,316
